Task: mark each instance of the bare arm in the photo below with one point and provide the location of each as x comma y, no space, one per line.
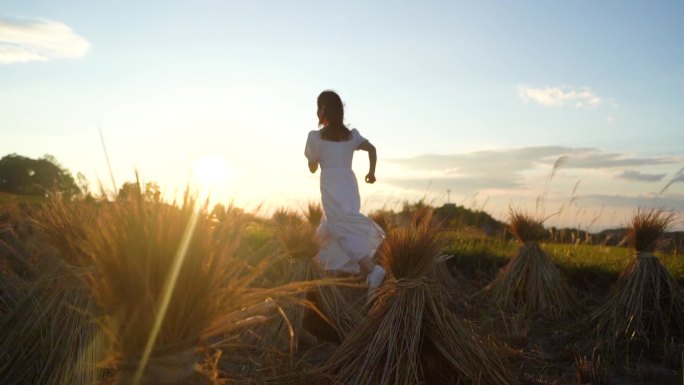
372,159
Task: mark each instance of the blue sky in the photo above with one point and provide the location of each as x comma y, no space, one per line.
479,98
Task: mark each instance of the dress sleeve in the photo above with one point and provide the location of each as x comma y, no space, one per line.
312,145
357,138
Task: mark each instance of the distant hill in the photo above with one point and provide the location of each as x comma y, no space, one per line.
457,216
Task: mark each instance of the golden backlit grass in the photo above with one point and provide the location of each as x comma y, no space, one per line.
45,335
409,336
48,330
165,278
297,239
65,225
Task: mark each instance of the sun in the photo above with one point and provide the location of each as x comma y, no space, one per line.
211,174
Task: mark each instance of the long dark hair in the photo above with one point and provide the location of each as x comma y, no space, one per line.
333,117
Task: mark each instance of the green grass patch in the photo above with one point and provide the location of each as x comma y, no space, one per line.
608,258
590,264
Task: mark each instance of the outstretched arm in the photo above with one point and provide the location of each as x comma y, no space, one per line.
372,160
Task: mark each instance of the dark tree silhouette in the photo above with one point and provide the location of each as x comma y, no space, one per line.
133,190
25,176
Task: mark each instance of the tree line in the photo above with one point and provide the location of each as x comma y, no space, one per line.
45,176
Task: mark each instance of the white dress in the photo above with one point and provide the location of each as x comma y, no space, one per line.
345,234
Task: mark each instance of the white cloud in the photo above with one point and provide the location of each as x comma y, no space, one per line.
560,96
39,40
503,177
670,202
517,160
516,170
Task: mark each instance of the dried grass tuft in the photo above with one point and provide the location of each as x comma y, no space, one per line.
297,238
165,282
314,214
45,310
530,282
299,243
409,336
444,276
65,225
647,303
525,226
47,330
647,227
592,370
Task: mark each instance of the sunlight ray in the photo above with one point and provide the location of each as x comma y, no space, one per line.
166,294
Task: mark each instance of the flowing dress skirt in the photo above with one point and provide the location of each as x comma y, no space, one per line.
346,235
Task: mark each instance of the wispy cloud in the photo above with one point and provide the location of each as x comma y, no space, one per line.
521,176
23,40
670,202
639,176
520,169
560,96
510,161
596,159
457,184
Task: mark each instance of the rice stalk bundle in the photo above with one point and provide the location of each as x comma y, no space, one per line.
444,277
530,282
11,292
46,335
326,303
65,224
164,282
15,254
314,214
646,304
409,337
383,218
283,216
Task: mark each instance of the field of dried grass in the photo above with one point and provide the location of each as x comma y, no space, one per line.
145,292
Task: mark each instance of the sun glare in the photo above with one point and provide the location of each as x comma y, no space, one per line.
211,174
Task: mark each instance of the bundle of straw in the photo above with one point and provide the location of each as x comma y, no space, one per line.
164,282
47,333
298,241
647,303
530,282
314,214
65,224
15,254
443,276
408,336
48,319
